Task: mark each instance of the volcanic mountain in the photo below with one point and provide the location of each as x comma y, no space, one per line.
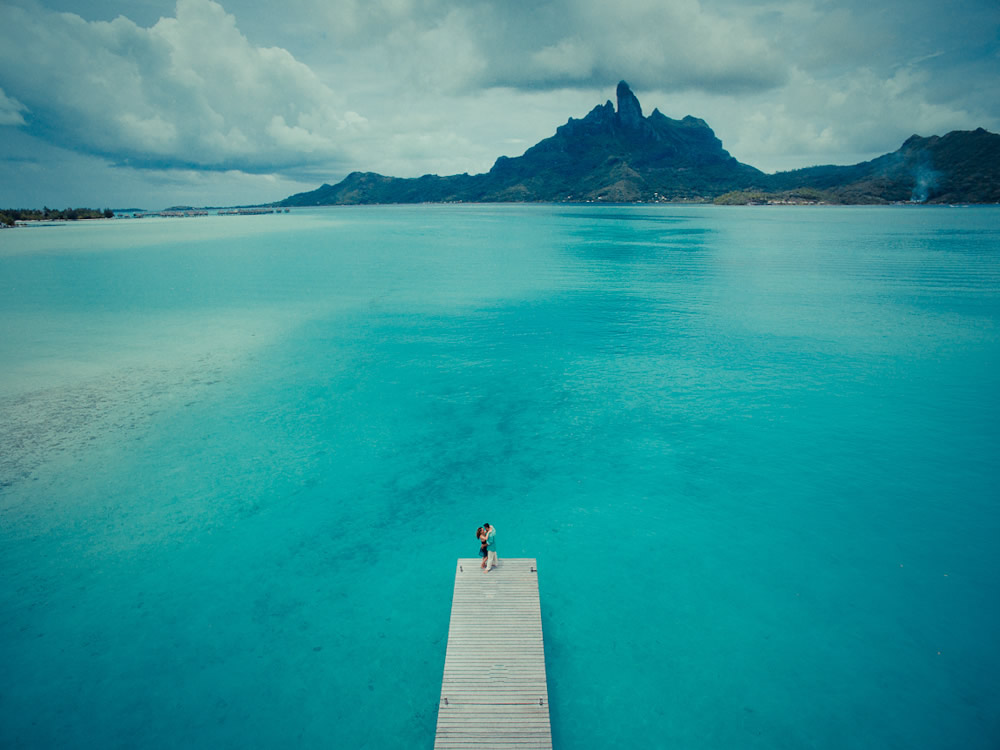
608,155
960,167
619,155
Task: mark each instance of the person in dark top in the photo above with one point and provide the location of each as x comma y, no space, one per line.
481,536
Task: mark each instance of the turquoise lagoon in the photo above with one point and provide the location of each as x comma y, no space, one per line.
756,452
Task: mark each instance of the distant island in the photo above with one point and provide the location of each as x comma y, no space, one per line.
10,216
620,156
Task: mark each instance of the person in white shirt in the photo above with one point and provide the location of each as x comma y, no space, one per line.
491,547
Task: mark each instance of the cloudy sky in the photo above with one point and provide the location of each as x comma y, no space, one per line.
152,103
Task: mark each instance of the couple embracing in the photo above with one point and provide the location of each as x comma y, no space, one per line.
486,535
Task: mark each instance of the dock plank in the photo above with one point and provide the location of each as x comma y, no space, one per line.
494,692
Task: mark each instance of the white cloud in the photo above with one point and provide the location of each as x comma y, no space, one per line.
564,60
36,173
189,90
11,110
441,55
843,119
419,132
461,47
677,45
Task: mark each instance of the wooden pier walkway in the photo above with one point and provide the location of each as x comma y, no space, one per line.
494,693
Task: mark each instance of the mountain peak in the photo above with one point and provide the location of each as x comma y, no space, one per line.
620,155
629,110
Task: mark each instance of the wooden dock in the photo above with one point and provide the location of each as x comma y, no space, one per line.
494,693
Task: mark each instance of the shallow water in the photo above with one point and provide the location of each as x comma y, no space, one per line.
755,451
